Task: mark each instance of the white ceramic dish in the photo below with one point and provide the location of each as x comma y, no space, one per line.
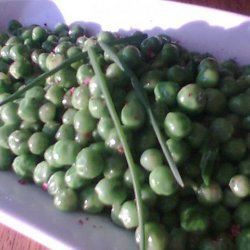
27,208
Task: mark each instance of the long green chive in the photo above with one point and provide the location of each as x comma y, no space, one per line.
42,77
110,105
143,98
134,39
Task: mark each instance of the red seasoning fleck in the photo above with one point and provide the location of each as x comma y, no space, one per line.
190,94
86,80
120,150
81,222
45,186
22,181
71,91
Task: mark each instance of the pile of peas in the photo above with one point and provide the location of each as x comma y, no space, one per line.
60,134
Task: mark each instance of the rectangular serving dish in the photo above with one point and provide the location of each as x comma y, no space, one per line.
29,210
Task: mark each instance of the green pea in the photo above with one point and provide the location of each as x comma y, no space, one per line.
5,132
73,180
180,74
131,55
222,129
161,181
31,126
84,74
240,104
28,110
97,108
67,98
39,34
36,92
115,167
150,79
156,236
166,92
55,95
38,142
47,112
243,240
224,173
94,88
6,158
19,51
240,185
116,208
145,139
208,63
80,97
128,215
18,142
115,75
65,132
24,165
192,98
3,38
198,135
63,46
66,200
216,101
61,29
234,149
230,199
84,122
128,180
68,116
20,69
104,127
89,163
65,152
133,115
151,158
193,219
49,157
148,197
66,78
220,243
53,60
89,201
42,173
244,167
75,31
56,183
105,36
208,78
241,214
151,46
179,150
83,139
110,191
9,113
50,128
209,195
177,125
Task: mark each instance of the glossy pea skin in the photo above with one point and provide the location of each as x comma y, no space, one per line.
82,139
179,150
179,74
53,60
192,98
68,116
166,92
66,200
89,200
97,108
84,74
104,126
151,78
150,46
18,141
209,195
222,129
243,240
89,163
234,149
24,165
47,112
39,34
131,55
197,135
133,115
148,197
161,181
5,132
139,171
115,166
193,219
28,110
63,46
20,69
65,152
19,51
38,143
110,191
9,113
49,157
73,180
65,132
208,78
216,101
80,97
177,125
94,88
50,128
42,173
66,78
56,183
55,95
151,158
156,236
240,185
36,92
6,158
32,126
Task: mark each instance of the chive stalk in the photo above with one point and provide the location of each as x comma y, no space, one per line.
110,105
143,98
